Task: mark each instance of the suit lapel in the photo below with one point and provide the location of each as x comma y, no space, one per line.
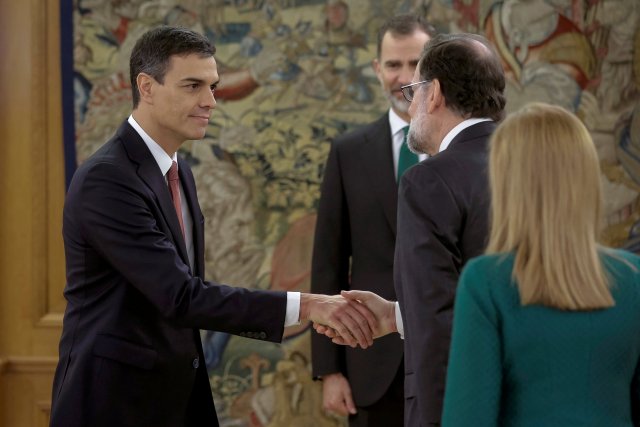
378,153
149,172
189,187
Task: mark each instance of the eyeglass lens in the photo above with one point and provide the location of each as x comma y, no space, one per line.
409,93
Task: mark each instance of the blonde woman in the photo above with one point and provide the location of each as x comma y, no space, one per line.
546,328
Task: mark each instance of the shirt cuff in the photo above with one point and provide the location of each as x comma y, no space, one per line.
399,325
293,309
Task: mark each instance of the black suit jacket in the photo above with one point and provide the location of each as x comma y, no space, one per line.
443,211
130,352
357,226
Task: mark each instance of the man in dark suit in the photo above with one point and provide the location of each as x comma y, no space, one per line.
356,233
456,99
130,352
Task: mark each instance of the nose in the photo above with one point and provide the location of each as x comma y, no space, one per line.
406,74
208,100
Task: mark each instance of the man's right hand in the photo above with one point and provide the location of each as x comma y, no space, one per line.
383,310
350,319
336,395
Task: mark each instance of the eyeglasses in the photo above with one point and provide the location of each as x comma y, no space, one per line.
408,92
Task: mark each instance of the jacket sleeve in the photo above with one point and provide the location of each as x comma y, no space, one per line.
427,264
120,222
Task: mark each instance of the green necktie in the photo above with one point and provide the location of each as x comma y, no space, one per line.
406,158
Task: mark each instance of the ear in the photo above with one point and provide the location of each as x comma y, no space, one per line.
375,64
145,86
435,97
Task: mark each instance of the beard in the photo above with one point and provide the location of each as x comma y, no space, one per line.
399,105
413,141
418,136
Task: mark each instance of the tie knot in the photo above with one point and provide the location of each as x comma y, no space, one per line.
172,175
405,130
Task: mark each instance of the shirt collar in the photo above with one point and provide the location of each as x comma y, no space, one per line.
162,158
456,130
397,123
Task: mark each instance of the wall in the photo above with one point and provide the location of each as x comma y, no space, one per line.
31,197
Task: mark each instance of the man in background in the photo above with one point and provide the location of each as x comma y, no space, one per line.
356,233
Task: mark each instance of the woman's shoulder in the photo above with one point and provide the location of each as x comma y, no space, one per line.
622,253
620,260
491,263
488,270
623,270
487,280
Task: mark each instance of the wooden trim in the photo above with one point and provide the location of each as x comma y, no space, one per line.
31,195
55,182
48,165
37,155
42,413
30,365
50,320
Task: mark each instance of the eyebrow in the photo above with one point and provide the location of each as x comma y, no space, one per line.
398,61
196,80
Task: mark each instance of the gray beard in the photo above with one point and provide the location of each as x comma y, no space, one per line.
400,105
414,144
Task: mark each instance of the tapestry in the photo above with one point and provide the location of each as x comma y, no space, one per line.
297,73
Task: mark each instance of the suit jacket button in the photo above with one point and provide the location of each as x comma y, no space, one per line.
196,363
262,335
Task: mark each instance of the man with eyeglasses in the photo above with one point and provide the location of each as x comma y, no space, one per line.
457,96
356,233
443,204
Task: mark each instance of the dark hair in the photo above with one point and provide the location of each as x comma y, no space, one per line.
471,78
404,25
153,51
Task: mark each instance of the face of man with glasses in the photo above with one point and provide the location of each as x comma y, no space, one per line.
396,65
420,138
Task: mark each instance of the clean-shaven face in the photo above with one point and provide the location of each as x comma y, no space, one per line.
182,104
396,65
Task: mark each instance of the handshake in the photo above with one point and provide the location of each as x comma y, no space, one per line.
353,318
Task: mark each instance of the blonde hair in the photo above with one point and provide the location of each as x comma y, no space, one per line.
546,202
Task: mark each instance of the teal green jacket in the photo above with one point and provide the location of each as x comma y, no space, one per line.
535,366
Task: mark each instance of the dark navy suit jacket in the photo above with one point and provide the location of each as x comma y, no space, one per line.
130,352
354,248
443,209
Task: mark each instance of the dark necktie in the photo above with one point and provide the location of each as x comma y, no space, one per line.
406,158
174,190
